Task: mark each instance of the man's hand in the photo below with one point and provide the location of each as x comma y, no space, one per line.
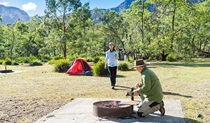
135,92
105,66
137,85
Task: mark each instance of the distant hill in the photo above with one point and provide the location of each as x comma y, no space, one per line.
126,4
12,14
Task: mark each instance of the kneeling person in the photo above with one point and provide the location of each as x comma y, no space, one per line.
149,90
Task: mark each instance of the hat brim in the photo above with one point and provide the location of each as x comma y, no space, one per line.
141,65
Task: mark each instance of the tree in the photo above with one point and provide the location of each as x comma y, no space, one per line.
114,27
60,9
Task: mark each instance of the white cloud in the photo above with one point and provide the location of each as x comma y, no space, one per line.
29,6
4,3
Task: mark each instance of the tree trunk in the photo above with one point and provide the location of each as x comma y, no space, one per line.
143,22
173,24
64,33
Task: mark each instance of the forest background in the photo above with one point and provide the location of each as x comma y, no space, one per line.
171,30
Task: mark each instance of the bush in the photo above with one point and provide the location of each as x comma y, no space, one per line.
7,61
36,63
96,59
123,66
26,59
1,61
61,65
98,69
59,57
15,63
171,57
44,58
89,59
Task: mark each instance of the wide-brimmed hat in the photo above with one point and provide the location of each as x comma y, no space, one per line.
140,62
111,43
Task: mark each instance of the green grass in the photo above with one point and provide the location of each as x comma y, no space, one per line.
26,96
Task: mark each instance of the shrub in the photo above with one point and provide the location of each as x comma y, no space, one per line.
96,59
7,61
59,57
15,63
61,65
89,59
44,58
32,58
36,63
1,61
26,59
123,66
171,57
98,69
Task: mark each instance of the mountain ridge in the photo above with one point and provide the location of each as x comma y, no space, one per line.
11,14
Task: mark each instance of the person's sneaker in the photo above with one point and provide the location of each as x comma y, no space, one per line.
162,109
112,87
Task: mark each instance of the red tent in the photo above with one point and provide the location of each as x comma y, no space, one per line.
80,67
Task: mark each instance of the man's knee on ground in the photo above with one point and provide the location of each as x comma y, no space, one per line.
149,111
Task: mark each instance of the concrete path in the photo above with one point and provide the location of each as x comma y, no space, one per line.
80,111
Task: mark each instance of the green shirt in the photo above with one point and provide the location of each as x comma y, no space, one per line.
150,86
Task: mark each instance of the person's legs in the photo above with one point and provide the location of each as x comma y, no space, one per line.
147,108
112,73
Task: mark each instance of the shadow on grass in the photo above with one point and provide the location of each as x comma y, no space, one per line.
119,87
176,94
169,64
121,76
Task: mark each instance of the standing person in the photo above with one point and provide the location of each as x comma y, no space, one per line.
149,90
111,62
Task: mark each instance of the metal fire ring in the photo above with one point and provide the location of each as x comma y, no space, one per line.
107,109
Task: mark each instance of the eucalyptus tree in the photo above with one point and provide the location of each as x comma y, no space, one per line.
114,27
196,35
2,41
80,22
60,10
142,29
10,40
36,35
21,31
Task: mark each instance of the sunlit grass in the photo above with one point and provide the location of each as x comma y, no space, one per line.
26,96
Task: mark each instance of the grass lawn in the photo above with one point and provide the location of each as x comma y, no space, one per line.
37,91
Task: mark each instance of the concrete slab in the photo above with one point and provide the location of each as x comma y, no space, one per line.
80,111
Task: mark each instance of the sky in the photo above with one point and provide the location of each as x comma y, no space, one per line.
37,7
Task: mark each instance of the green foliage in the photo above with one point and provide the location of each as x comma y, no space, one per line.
123,66
44,58
36,63
89,59
15,63
1,61
171,57
7,61
96,59
99,70
26,59
174,28
58,57
61,65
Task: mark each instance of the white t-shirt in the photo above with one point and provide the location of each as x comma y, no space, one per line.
111,58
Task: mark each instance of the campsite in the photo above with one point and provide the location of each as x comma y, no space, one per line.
37,91
74,54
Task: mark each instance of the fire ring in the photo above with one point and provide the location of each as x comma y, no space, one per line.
111,109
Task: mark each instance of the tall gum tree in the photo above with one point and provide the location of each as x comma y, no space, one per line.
60,10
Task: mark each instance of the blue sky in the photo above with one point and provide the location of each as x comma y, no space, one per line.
34,7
